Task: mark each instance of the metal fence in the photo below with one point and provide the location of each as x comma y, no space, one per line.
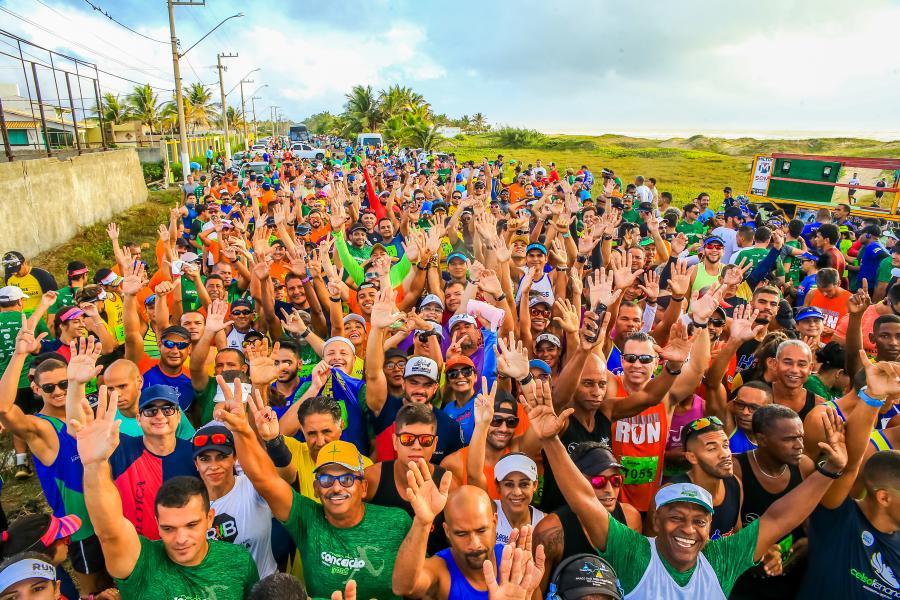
49,102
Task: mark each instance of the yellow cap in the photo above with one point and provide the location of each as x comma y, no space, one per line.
340,453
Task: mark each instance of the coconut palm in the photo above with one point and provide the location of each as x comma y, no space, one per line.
478,123
422,135
362,108
113,110
397,99
202,110
144,105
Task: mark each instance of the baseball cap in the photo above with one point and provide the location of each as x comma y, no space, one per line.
537,363
518,238
25,569
431,299
809,312
536,246
515,462
395,353
27,532
458,255
685,492
808,256
734,212
713,239
785,315
13,261
338,338
645,207
419,365
341,453
107,277
355,317
213,437
583,575
159,391
538,300
594,459
175,330
461,318
245,302
459,359
358,227
11,293
548,337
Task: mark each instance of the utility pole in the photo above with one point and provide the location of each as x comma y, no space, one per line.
179,101
253,100
244,115
223,68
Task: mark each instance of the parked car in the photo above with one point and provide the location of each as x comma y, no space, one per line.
305,151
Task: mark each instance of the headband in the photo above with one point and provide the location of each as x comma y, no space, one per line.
27,568
72,313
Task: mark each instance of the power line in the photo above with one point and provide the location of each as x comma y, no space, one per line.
119,23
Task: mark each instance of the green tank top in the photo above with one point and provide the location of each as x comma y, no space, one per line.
704,279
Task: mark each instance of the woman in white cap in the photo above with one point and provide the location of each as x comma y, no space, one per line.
29,575
517,480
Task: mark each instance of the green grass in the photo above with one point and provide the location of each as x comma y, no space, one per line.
683,166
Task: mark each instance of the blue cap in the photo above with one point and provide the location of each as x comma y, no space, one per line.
459,177
266,186
539,364
713,238
808,256
536,246
809,312
165,393
458,255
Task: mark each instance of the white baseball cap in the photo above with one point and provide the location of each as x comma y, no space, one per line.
515,462
419,365
462,318
548,337
12,293
683,492
431,299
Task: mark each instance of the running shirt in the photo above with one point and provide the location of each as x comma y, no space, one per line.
739,442
63,481
503,526
34,284
130,426
640,444
244,518
806,286
643,574
849,557
679,420
10,324
464,415
460,588
153,375
832,308
138,475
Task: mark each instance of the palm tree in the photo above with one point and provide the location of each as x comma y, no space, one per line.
113,110
478,123
397,99
424,136
362,108
235,117
202,110
144,105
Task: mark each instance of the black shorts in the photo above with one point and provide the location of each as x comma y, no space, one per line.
27,401
87,556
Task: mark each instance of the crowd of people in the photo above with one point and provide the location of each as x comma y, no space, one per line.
394,374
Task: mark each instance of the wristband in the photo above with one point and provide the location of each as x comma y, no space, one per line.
699,325
670,371
567,235
502,296
279,452
821,469
338,299
674,299
581,259
304,335
527,379
870,400
562,269
607,237
305,280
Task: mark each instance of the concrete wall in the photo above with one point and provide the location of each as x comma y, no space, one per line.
45,202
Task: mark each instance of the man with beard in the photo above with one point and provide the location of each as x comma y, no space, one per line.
707,272
560,532
343,531
707,451
681,562
764,303
471,526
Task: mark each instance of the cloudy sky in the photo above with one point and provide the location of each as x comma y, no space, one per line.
590,66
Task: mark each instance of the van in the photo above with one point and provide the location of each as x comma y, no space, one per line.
369,139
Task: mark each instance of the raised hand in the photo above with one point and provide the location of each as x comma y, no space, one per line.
703,308
568,316
112,230
678,244
743,326
349,592
262,363
736,275
600,289
489,282
320,375
26,343
426,498
231,412
455,347
882,377
82,367
542,419
484,404
520,575
215,320
512,360
834,446
384,310
680,279
264,417
679,347
651,286
48,298
135,278
593,331
623,276
98,437
860,301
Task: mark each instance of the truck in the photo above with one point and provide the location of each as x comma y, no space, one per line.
369,139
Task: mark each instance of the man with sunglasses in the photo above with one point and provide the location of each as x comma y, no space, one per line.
54,452
707,451
560,532
706,273
690,225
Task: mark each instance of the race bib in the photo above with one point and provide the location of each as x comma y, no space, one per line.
640,469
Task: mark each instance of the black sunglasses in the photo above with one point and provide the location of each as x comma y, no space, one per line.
456,373
346,480
511,422
151,411
49,387
645,359
717,322
241,313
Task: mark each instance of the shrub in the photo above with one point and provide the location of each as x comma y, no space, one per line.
519,137
153,171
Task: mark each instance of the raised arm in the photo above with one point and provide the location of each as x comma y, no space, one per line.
384,314
12,417
97,439
134,282
484,412
856,307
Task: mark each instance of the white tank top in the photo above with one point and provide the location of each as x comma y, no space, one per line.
659,585
503,526
543,287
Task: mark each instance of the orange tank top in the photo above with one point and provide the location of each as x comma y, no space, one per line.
639,442
492,489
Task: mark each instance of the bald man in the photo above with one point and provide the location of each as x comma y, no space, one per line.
125,377
471,527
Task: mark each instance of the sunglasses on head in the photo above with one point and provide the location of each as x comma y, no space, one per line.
151,411
241,313
346,480
49,387
457,373
645,359
511,422
426,440
215,438
703,423
599,482
173,344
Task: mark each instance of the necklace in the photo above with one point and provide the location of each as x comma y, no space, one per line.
761,470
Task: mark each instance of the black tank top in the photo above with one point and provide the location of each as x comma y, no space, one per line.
754,584
387,495
725,518
574,539
809,405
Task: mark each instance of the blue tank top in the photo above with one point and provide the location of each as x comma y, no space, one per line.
460,588
614,362
739,442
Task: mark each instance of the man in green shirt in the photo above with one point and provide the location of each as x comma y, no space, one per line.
183,564
77,273
681,562
690,225
341,539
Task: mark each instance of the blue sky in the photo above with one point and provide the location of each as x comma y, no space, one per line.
591,66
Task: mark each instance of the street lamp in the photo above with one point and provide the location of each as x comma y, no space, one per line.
241,81
179,101
253,99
